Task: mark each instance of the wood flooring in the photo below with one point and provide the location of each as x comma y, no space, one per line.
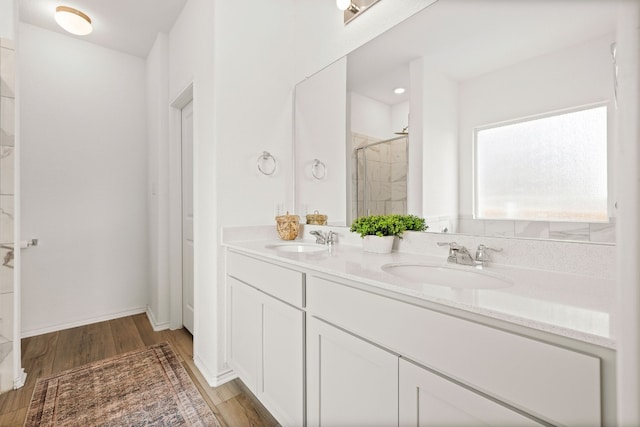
43,355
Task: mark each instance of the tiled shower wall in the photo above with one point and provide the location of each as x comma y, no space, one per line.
7,158
386,177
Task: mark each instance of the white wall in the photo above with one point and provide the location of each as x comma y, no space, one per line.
439,144
368,116
157,98
83,181
238,56
376,119
568,78
7,26
254,107
321,132
399,116
416,128
191,47
322,38
628,227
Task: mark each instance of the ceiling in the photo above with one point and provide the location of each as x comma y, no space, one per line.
467,38
128,26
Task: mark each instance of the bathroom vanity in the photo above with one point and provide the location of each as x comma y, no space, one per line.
333,336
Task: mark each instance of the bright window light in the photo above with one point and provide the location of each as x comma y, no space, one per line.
551,168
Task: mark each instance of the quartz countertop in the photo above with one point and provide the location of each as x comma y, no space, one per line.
576,306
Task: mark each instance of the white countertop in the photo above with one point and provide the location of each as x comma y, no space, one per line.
571,305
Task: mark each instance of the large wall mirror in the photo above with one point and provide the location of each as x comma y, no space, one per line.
487,117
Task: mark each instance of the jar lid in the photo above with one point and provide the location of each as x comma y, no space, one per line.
287,217
316,216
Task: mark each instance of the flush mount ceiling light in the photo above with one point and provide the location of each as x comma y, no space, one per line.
353,8
398,90
73,21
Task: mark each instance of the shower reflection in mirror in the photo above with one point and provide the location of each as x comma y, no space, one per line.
380,175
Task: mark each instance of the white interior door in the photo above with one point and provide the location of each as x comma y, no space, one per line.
187,216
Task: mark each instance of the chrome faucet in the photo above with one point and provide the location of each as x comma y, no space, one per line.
331,238
320,238
482,257
328,238
458,254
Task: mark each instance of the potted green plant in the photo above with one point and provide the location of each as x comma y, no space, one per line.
414,223
379,231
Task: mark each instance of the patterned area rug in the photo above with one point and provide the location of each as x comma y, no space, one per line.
142,388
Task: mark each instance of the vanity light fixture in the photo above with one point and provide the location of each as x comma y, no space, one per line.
399,90
353,8
73,21
347,4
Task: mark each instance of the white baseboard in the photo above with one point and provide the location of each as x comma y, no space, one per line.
20,380
157,326
225,377
214,380
83,322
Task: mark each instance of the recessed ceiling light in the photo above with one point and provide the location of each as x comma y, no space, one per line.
73,21
398,90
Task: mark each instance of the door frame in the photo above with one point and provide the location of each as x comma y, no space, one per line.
175,205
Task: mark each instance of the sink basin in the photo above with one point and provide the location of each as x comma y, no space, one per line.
454,277
297,247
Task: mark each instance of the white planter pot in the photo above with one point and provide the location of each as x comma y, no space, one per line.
378,245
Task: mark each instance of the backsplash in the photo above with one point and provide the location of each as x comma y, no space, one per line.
574,231
588,259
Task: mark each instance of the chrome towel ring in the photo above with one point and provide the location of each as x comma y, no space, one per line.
318,169
267,164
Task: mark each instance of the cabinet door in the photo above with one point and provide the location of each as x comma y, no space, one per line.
244,332
427,399
282,388
350,381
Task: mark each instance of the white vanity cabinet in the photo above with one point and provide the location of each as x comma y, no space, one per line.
549,383
427,399
320,349
266,334
350,382
244,332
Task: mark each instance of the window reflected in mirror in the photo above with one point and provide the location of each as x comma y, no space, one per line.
551,168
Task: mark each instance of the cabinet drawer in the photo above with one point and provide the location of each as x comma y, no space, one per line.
280,282
549,382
